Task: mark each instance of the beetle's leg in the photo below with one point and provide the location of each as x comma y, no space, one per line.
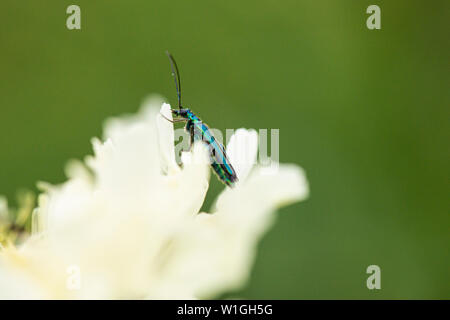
191,136
173,121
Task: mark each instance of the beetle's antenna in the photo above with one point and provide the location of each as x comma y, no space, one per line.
176,77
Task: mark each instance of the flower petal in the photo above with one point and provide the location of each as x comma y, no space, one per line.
195,178
242,151
3,207
17,285
243,214
166,140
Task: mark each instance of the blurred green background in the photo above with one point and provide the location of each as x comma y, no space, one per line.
366,113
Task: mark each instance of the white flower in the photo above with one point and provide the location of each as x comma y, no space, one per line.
127,219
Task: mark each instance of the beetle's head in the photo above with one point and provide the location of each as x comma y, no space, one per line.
180,113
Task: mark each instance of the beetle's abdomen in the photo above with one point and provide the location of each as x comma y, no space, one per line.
224,175
218,157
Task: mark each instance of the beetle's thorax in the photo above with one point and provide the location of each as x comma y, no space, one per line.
186,114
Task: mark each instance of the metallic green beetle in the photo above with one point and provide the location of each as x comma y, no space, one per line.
198,131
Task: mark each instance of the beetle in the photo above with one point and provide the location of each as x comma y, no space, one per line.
199,131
